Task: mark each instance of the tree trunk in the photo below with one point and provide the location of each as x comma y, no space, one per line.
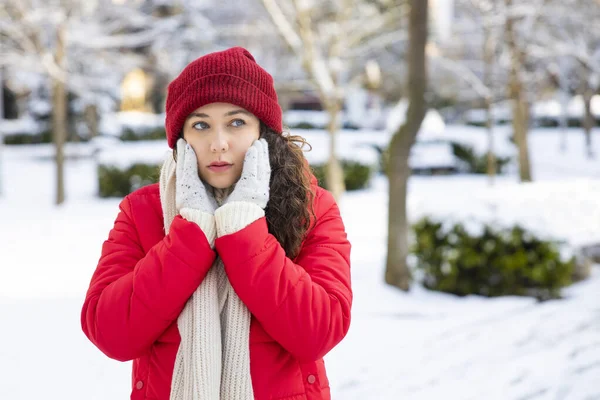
488,55
397,272
517,95
1,131
334,171
563,95
520,127
90,116
588,121
59,116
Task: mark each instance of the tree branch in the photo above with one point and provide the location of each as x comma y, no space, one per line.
284,26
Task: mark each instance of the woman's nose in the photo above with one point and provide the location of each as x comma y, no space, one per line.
219,143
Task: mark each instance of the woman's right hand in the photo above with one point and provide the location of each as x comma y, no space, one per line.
190,191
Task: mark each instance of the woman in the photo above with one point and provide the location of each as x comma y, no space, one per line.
231,278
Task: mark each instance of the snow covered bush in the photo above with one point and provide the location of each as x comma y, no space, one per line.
129,134
444,157
28,138
474,163
356,174
495,262
118,182
303,125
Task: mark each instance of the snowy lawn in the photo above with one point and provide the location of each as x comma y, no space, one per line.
416,345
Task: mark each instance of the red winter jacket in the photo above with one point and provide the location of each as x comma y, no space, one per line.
300,308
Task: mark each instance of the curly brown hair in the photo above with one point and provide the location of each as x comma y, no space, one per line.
290,206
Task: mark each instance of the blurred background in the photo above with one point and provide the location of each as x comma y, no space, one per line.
460,138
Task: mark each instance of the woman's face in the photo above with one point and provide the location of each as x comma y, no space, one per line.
220,134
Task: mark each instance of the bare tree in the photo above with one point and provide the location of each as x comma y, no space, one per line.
517,92
59,111
65,42
515,62
489,43
1,120
30,41
574,54
479,31
397,272
587,44
588,90
330,40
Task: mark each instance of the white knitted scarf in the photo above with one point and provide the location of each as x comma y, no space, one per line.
213,359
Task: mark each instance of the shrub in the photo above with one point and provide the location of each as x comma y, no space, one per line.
496,263
303,125
350,126
130,135
472,162
356,175
118,182
475,163
26,138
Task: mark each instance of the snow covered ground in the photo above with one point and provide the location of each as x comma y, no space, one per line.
416,345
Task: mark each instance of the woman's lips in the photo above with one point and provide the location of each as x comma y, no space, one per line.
219,167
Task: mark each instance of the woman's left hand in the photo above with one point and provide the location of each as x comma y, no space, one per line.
253,186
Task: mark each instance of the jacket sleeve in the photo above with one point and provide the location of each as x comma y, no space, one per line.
135,296
303,304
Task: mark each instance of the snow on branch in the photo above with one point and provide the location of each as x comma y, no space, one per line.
285,27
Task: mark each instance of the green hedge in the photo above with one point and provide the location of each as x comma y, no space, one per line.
26,138
118,182
129,135
356,175
499,262
475,163
303,125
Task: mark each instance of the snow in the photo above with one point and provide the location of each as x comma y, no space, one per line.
432,150
432,123
500,112
576,107
24,125
415,345
316,118
432,155
547,109
113,124
124,154
552,109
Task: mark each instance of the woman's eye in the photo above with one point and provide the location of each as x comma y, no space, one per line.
200,125
238,122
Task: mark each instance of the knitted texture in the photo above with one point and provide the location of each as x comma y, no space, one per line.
213,359
229,76
205,221
235,216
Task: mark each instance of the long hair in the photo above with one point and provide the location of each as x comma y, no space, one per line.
290,205
291,197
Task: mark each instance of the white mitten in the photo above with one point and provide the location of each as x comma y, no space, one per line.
248,200
191,192
193,201
253,186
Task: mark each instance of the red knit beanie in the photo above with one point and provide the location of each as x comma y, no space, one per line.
229,76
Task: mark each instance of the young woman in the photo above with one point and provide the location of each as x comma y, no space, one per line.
231,278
